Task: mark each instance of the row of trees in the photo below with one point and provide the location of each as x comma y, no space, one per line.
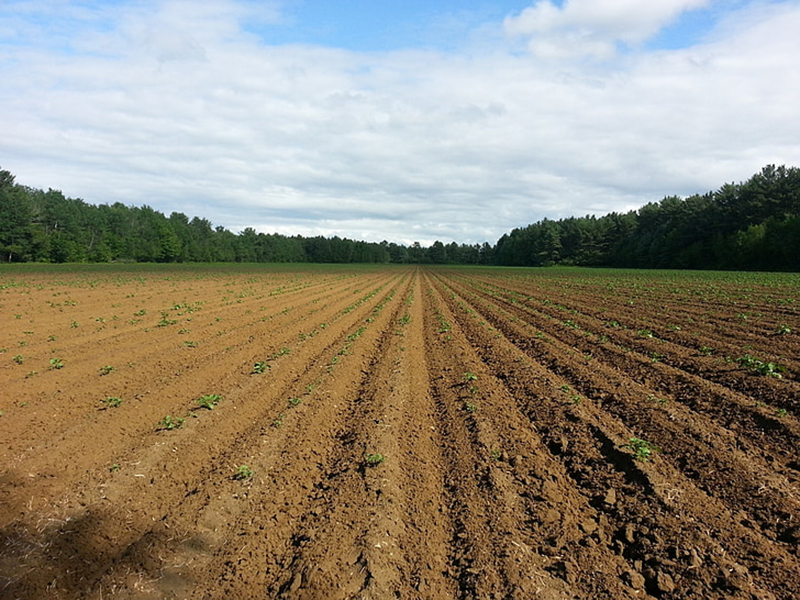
751,225
46,226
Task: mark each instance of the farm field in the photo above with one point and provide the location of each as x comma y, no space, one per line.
398,432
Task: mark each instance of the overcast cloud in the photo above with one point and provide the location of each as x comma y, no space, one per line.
558,109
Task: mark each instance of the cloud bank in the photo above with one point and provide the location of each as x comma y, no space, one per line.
187,106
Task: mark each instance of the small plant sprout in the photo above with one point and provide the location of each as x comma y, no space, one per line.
278,422
294,401
56,363
468,376
706,351
781,412
783,329
470,407
19,359
642,450
261,367
209,401
114,467
767,369
243,473
169,423
373,460
106,370
112,401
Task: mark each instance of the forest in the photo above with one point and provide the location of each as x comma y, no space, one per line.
753,225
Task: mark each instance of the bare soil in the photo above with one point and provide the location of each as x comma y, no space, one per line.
398,432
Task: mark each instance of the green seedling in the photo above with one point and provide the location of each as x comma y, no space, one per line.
767,369
468,376
243,473
112,401
209,401
470,407
706,351
169,423
261,367
56,363
282,352
294,401
645,333
781,412
642,450
783,330
373,460
106,370
278,422
114,467
19,359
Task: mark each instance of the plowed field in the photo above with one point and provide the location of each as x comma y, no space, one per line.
398,432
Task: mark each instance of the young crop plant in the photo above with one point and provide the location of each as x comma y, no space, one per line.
282,352
767,369
169,423
278,422
112,401
645,333
706,351
56,363
293,402
260,367
783,329
106,370
469,376
642,450
243,473
470,407
165,320
19,359
209,401
373,460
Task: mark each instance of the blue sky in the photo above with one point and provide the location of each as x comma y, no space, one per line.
405,121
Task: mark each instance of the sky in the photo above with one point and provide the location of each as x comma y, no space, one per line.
450,120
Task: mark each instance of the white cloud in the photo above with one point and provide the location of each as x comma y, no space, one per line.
593,27
180,109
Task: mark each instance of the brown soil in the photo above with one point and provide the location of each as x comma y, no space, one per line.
415,433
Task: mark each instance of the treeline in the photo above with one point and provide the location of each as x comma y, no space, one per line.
39,226
746,226
753,225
